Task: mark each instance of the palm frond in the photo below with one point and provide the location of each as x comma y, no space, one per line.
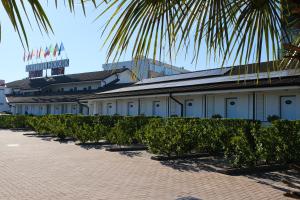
241,30
148,25
16,10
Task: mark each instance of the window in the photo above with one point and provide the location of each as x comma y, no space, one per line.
84,89
75,89
90,87
62,89
288,102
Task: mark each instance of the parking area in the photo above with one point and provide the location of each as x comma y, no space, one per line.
40,168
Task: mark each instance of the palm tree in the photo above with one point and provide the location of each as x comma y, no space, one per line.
243,30
17,9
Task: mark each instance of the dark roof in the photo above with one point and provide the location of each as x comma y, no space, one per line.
28,84
249,84
62,97
215,72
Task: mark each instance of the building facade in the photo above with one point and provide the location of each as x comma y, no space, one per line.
228,92
3,104
61,94
234,92
146,68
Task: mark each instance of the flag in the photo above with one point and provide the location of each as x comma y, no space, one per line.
61,48
37,54
55,50
32,54
28,56
50,50
40,52
46,52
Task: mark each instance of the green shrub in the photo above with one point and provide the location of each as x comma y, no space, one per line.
216,116
99,132
169,136
272,118
244,142
83,133
128,130
239,151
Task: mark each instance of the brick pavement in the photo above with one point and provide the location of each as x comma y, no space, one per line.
39,169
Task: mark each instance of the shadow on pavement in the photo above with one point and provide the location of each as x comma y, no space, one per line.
210,164
91,146
188,198
130,154
286,181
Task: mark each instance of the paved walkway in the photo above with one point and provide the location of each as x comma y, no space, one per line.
39,169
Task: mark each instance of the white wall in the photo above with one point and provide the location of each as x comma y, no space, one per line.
41,109
3,104
80,86
270,103
266,103
143,66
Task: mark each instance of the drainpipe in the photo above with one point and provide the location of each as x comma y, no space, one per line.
83,105
139,106
169,107
205,106
11,106
116,106
181,105
253,106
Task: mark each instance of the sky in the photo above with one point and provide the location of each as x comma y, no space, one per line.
81,36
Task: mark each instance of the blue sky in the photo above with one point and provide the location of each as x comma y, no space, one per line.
81,38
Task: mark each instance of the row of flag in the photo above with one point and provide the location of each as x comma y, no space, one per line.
44,53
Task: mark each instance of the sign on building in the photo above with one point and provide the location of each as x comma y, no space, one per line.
57,71
2,83
57,68
48,65
36,74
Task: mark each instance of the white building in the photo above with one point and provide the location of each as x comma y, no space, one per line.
61,94
3,104
226,92
146,68
229,92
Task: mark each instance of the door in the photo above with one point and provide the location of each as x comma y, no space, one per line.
130,109
74,109
109,109
189,108
41,110
48,109
57,109
231,108
157,108
288,107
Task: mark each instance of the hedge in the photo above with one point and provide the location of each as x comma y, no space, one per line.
243,142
